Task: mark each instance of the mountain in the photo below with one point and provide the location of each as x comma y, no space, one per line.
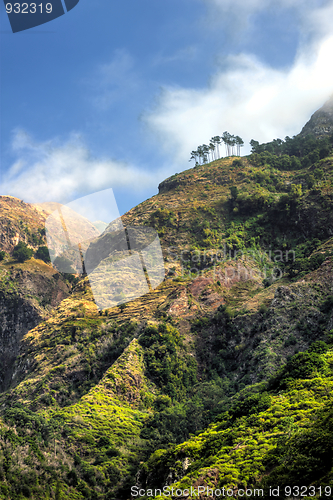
321,122
221,377
28,291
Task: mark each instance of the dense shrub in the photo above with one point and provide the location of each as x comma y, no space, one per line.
43,254
167,363
21,252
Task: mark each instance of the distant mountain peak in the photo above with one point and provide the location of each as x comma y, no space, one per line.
321,122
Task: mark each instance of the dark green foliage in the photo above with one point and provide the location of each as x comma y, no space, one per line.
327,306
300,147
263,309
167,362
306,457
290,341
2,255
263,156
73,280
303,365
263,439
233,192
43,254
304,262
173,423
319,347
252,404
21,252
162,218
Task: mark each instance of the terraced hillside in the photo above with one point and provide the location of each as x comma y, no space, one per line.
212,378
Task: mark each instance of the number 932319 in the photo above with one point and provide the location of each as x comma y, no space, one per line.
28,8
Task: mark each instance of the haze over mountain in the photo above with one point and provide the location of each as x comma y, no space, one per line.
321,122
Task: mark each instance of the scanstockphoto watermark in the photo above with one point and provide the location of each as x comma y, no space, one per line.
202,491
211,256
25,15
244,264
198,492
234,273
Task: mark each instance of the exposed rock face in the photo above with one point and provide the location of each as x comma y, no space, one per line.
28,291
25,299
17,317
169,184
20,221
321,122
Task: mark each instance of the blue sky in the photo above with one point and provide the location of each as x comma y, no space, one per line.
117,94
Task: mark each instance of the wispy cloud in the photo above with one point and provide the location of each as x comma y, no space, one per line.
59,171
188,53
230,10
113,81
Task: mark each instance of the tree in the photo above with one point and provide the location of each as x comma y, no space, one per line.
234,192
2,255
277,146
296,191
255,146
194,155
212,149
232,142
21,252
240,143
201,154
217,141
122,307
43,254
205,150
226,139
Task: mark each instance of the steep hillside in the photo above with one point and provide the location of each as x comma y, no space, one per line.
28,290
167,389
20,221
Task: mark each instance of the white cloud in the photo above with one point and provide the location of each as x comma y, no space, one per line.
241,9
54,171
188,53
247,98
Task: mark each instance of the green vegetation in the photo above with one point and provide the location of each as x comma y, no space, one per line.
43,254
166,361
22,252
222,376
263,438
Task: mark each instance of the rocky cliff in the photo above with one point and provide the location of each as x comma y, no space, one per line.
28,291
321,122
